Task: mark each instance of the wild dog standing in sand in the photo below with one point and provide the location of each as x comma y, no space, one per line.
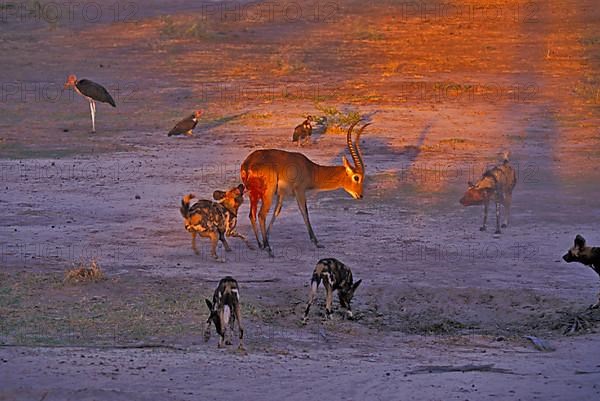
215,220
303,131
270,173
496,184
225,307
335,276
587,255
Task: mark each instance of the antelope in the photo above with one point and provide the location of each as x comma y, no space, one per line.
273,173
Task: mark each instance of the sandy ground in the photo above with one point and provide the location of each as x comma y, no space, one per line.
445,94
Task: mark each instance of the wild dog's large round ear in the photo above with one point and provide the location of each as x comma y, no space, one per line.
241,188
579,241
470,184
218,195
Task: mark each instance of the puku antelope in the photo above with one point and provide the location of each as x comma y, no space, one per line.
587,255
335,276
215,220
93,92
225,307
271,173
496,184
303,131
187,125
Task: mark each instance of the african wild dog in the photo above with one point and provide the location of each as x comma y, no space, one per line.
225,306
214,220
496,184
335,276
587,255
303,131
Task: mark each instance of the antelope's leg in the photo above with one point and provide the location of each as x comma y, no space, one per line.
280,197
311,299
262,219
301,198
253,208
485,214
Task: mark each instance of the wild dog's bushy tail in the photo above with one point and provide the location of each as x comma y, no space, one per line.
185,204
314,282
506,157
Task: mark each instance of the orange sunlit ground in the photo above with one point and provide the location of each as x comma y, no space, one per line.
102,296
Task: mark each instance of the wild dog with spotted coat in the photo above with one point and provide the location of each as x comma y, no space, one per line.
335,276
496,184
303,131
214,220
225,308
587,255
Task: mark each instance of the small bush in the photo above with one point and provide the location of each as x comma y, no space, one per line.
334,120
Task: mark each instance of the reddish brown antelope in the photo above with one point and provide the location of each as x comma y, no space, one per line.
271,173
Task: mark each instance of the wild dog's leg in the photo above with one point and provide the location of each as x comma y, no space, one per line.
243,238
597,304
225,316
254,198
301,198
507,205
497,217
280,197
194,243
262,219
238,316
314,285
485,214
328,300
214,240
224,241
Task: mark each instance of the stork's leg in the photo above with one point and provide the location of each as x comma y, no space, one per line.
93,113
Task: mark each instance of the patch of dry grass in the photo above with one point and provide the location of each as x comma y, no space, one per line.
84,274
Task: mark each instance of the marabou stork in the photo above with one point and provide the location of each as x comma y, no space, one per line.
93,92
186,125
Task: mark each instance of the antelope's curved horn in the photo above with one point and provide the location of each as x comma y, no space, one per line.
357,146
351,148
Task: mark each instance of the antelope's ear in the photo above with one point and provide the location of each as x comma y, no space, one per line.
355,286
347,164
218,195
209,304
579,241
